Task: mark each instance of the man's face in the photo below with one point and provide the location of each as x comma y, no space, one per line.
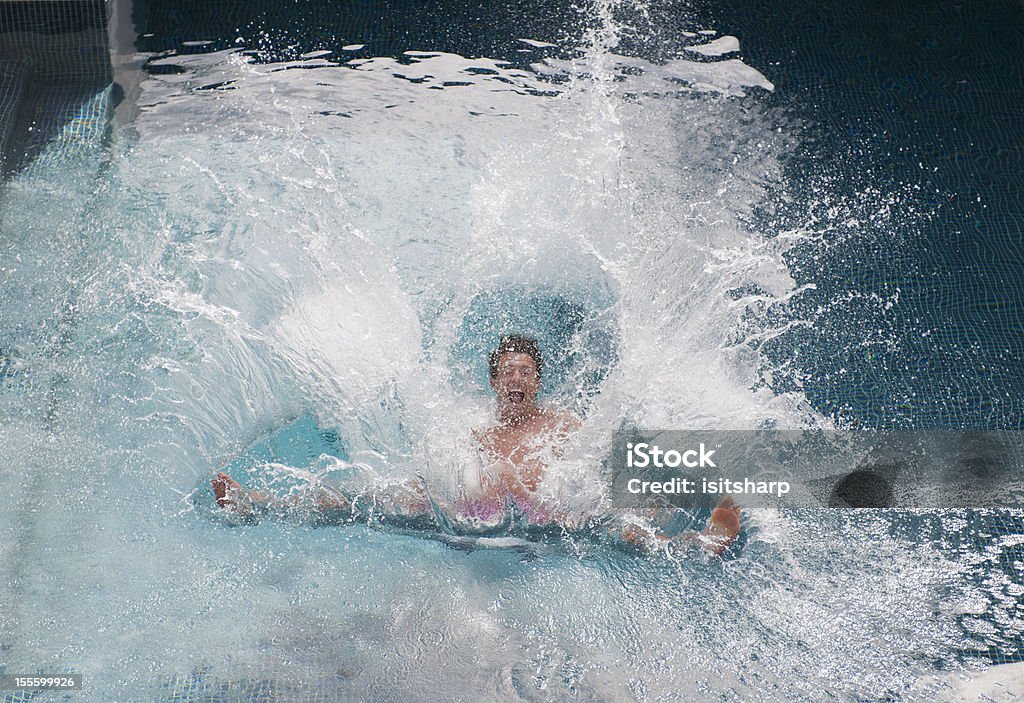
516,384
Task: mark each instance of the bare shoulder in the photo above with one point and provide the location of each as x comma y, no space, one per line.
561,421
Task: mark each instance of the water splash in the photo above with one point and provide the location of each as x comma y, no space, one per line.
302,237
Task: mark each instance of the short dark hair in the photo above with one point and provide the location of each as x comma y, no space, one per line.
516,344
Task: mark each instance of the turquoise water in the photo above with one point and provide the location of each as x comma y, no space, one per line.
330,250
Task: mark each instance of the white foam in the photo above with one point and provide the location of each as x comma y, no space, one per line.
359,335
535,43
998,684
729,77
722,45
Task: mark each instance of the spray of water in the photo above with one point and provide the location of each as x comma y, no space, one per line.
273,240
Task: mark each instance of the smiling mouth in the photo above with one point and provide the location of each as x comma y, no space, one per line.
516,396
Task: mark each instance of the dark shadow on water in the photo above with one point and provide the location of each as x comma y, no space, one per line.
56,81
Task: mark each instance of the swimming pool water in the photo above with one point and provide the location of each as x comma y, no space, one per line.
324,244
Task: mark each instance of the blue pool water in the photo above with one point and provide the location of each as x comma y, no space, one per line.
234,250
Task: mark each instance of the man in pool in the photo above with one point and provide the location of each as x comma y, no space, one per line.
516,451
516,448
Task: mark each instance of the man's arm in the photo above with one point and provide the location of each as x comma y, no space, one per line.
232,495
722,529
402,500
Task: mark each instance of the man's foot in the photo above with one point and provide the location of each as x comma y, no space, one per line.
723,526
